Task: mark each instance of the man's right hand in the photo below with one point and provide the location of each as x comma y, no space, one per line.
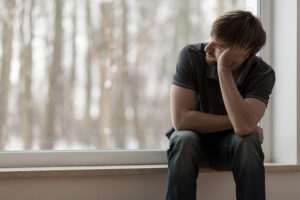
259,132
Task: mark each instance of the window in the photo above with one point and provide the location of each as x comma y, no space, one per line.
94,74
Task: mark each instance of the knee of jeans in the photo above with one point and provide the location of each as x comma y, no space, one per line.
185,137
184,145
251,139
184,140
248,144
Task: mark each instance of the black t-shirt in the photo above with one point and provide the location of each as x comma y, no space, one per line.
256,80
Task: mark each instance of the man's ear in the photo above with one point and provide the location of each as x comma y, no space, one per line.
249,52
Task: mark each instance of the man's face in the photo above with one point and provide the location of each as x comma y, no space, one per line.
214,49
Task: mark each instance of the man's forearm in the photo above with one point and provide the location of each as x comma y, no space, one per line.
238,110
205,123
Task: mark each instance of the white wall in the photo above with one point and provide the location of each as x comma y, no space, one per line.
211,186
298,81
285,61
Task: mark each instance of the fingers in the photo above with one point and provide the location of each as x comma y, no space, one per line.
233,56
261,135
259,132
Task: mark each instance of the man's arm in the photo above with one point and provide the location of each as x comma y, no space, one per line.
184,117
244,114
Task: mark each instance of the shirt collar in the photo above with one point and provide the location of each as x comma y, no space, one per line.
212,71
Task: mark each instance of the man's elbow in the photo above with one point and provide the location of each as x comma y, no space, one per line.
179,123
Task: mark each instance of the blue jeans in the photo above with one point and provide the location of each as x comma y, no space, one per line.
221,151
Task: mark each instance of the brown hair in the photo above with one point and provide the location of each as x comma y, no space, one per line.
241,28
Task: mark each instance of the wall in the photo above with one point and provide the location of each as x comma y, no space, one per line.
211,186
286,93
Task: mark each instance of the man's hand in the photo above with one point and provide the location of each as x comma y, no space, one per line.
259,132
232,57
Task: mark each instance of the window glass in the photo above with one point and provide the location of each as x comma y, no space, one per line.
94,74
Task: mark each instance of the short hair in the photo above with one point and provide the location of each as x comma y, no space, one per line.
241,28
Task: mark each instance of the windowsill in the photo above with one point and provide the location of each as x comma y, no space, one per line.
36,172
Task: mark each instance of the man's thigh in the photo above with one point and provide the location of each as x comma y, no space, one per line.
215,148
192,143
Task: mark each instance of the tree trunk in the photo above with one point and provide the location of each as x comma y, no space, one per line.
121,83
187,23
107,13
55,76
7,39
73,66
25,99
88,62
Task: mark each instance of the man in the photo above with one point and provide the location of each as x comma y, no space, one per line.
219,94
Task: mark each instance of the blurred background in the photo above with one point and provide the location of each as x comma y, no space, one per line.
94,74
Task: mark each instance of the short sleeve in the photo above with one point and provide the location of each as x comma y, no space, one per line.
185,75
262,86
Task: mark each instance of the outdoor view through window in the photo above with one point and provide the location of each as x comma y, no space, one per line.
94,74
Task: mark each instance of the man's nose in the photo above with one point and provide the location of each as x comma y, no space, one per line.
208,48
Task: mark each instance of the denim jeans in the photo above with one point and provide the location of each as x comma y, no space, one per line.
242,155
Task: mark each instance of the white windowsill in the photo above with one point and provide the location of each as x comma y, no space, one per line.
37,172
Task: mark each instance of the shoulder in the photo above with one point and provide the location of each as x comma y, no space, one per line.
194,53
262,71
195,47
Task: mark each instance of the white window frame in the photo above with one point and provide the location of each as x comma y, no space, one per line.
264,11
13,159
282,23
285,33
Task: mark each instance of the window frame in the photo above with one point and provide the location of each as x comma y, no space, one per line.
264,12
55,158
59,158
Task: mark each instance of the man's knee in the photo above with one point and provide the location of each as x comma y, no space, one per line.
250,139
248,146
182,142
184,137
185,149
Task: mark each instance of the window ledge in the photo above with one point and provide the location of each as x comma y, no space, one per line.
35,172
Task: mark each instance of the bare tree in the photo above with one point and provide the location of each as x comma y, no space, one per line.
107,25
55,78
119,121
186,10
137,81
73,65
7,39
25,96
88,66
